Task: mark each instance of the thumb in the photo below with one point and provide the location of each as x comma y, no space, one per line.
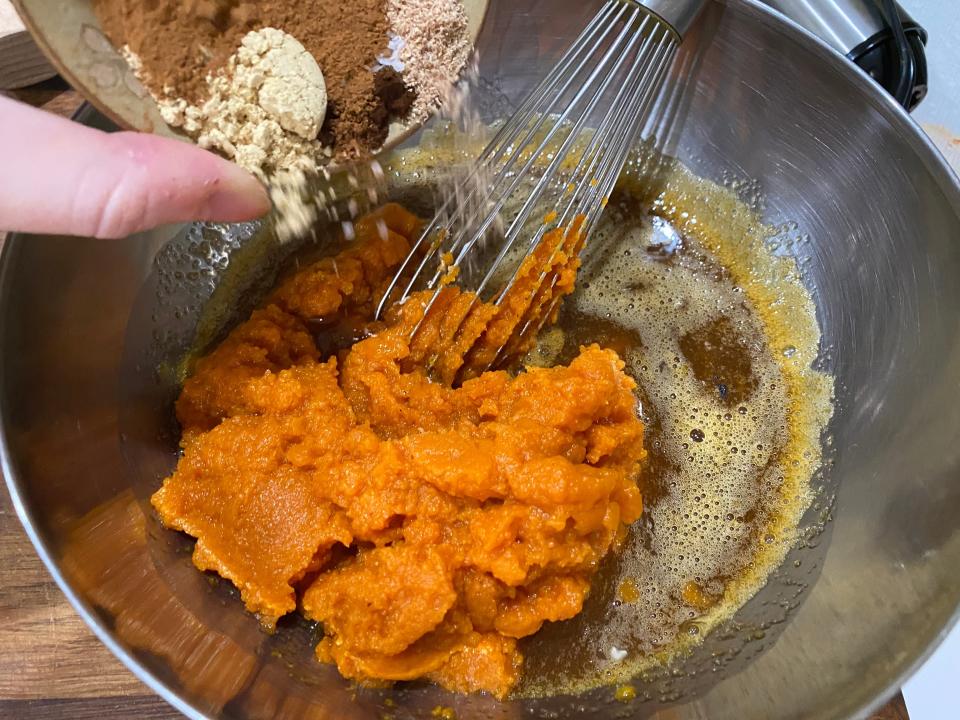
63,178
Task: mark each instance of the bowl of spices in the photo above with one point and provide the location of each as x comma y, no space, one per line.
272,85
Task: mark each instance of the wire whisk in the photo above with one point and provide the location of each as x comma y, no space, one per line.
549,170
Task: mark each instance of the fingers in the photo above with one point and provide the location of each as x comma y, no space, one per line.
63,178
141,181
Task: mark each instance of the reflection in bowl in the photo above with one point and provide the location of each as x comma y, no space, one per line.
877,215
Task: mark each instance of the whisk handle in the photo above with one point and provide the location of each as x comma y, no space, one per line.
678,14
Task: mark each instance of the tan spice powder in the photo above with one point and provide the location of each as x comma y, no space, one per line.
434,47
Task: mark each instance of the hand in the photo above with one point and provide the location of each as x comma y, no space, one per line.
60,177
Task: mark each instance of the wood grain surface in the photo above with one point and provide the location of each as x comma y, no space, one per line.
51,665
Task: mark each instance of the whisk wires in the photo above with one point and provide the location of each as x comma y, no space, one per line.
552,165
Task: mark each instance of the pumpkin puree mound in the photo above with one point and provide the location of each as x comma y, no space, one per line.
428,527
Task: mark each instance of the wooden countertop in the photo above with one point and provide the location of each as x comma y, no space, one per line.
51,665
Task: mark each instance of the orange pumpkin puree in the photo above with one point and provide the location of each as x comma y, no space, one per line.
427,525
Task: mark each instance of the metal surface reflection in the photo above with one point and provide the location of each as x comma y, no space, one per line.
87,423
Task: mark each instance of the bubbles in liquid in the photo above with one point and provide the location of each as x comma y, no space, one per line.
723,487
720,336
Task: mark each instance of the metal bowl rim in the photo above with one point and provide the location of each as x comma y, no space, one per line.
917,140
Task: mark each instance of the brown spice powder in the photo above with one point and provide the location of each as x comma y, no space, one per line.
180,42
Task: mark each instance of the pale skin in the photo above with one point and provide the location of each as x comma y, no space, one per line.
60,177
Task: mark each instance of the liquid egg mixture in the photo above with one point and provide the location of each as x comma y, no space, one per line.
721,337
627,486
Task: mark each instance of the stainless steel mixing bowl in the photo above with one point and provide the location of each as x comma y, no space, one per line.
89,329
